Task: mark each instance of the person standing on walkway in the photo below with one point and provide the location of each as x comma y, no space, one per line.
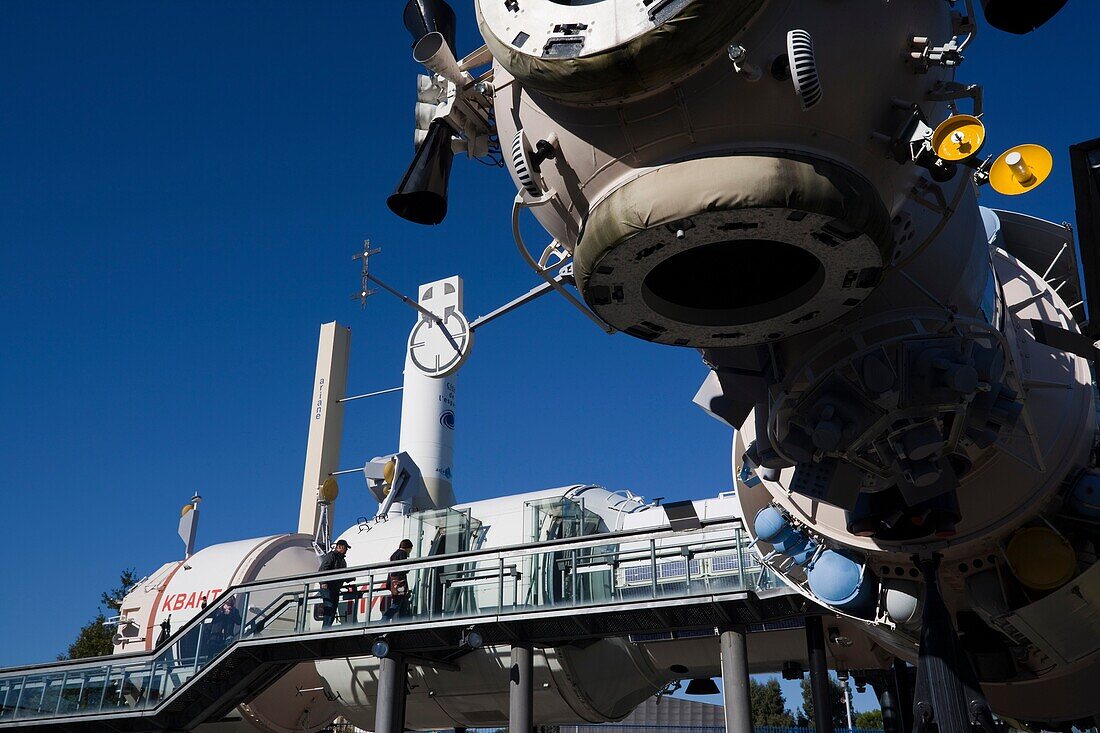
330,589
399,584
224,624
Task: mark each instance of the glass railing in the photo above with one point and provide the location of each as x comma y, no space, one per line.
610,569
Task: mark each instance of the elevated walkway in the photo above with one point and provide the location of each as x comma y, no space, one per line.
625,583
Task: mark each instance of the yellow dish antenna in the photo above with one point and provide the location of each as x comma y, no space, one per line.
388,470
1041,559
1020,169
186,508
958,137
329,490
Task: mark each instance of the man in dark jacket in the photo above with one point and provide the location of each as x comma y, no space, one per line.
330,589
224,624
399,584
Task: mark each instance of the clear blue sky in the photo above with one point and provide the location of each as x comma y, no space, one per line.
182,186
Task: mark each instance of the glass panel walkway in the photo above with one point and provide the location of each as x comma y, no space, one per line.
601,574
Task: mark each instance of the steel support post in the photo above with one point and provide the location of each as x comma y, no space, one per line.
521,714
819,675
887,695
904,690
389,708
735,680
948,696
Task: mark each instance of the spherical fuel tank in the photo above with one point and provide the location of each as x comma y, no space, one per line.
178,591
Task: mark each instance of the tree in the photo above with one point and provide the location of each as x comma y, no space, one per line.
112,599
769,707
806,712
95,638
869,720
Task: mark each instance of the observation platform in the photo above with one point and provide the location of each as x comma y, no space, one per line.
543,594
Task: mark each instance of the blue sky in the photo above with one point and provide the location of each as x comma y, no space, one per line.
182,186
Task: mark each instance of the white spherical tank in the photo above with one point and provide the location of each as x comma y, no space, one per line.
180,590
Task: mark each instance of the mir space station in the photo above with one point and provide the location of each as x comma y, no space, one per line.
909,376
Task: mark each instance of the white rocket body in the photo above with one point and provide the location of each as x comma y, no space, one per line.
428,404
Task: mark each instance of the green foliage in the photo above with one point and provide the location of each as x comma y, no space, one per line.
769,707
869,720
94,638
112,599
805,715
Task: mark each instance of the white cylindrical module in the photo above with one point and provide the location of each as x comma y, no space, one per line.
179,591
704,208
597,682
428,402
427,433
570,684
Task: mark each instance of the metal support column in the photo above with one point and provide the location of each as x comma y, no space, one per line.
735,680
819,675
948,697
888,702
389,708
904,690
521,718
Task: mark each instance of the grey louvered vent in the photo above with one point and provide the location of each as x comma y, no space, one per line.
521,162
800,53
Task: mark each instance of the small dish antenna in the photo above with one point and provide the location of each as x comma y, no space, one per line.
1020,169
958,137
329,490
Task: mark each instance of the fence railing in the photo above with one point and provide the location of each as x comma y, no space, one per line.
623,568
639,728
633,728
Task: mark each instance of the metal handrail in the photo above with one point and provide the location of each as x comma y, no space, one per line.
508,551
159,674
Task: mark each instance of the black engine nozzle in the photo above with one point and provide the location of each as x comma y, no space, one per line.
1020,16
421,197
426,16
